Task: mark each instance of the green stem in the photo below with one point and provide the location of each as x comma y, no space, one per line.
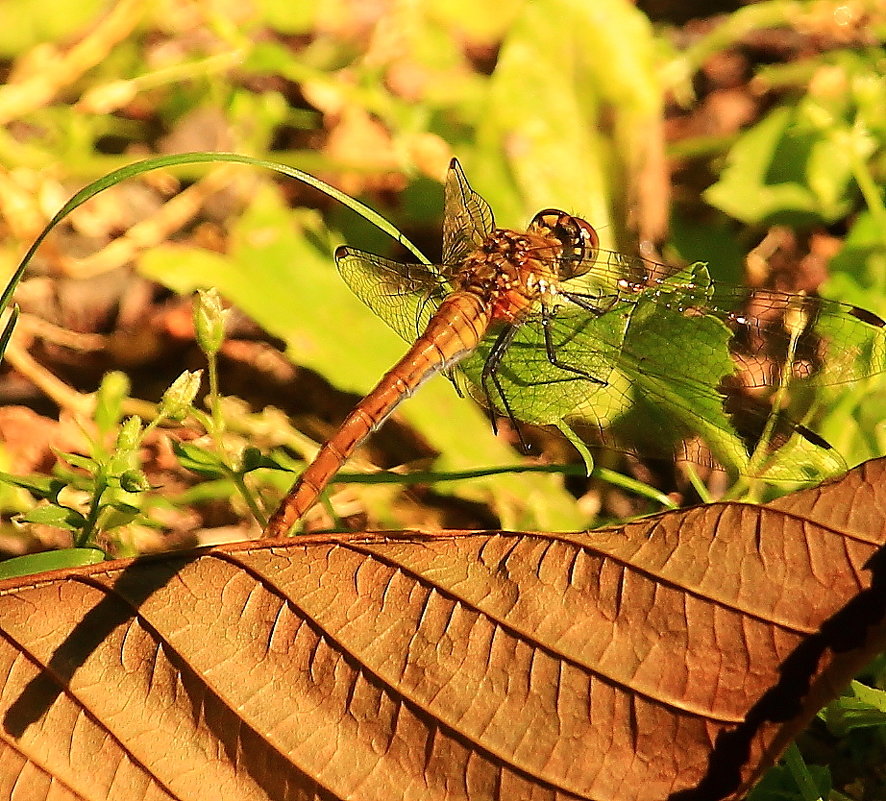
873,198
249,497
677,74
86,533
736,26
800,773
218,422
217,427
431,477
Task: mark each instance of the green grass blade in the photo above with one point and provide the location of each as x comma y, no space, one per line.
160,162
7,329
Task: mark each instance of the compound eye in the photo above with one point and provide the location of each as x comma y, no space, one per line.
579,241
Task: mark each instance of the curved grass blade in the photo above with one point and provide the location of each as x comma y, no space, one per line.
8,328
160,162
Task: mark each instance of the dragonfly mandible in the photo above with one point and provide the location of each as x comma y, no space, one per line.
546,326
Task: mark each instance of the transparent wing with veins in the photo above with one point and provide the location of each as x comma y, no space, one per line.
666,358
467,218
405,296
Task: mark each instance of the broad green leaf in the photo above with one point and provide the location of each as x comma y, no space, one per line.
287,17
481,21
24,24
781,171
564,66
287,282
857,274
644,350
801,460
694,352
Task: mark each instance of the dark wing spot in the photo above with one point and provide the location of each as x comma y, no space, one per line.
868,317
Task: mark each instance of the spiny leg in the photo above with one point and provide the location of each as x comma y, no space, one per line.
595,304
490,373
551,350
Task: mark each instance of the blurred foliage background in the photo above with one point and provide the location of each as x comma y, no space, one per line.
749,136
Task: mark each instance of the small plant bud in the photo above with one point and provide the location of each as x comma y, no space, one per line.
130,435
209,320
134,481
176,401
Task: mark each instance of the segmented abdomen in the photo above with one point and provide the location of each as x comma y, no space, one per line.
452,333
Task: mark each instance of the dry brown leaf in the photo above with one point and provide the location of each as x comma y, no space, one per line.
672,658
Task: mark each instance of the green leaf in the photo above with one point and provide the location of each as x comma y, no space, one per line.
58,516
199,460
78,460
205,492
685,397
50,560
253,459
286,17
533,153
111,393
778,784
38,485
118,514
24,25
856,273
782,171
860,707
287,282
618,351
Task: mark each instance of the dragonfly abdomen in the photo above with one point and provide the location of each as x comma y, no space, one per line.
453,332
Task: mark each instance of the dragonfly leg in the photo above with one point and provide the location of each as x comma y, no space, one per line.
551,351
595,304
490,374
451,375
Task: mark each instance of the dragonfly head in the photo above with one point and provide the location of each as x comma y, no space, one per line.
578,240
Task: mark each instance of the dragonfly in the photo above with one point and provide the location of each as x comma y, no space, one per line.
545,327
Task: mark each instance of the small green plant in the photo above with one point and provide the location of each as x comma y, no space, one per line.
95,495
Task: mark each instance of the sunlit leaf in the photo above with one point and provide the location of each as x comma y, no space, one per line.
767,176
59,516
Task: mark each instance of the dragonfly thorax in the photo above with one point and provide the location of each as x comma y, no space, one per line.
512,271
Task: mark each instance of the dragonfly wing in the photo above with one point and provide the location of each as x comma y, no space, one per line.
467,218
657,366
826,342
802,338
404,295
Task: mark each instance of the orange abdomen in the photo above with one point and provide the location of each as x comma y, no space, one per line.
452,333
